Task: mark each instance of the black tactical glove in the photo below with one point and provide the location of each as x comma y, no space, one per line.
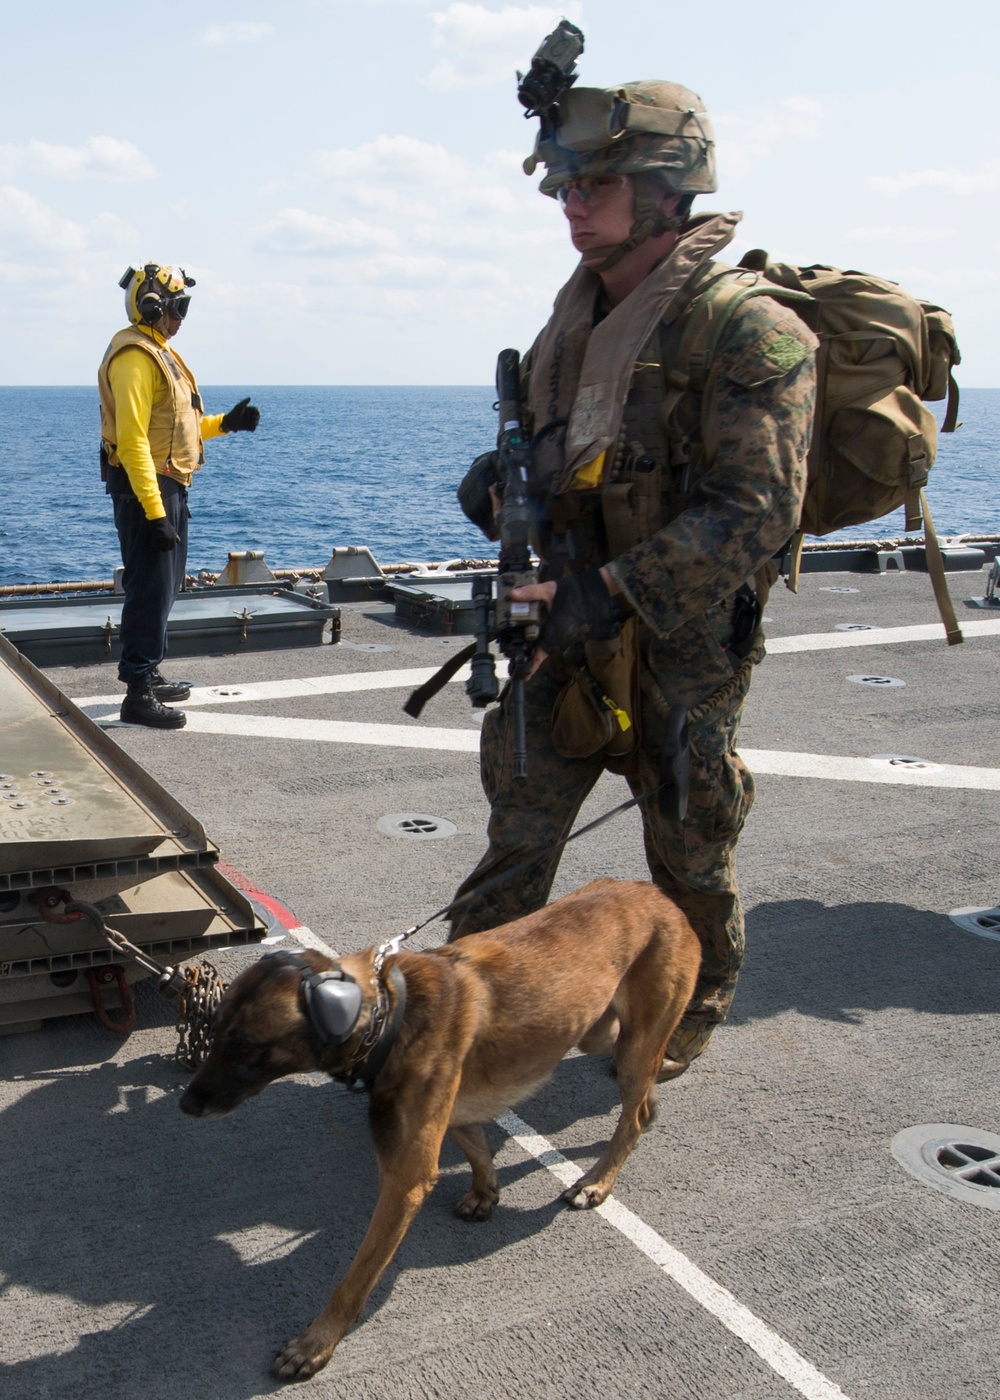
242,418
474,493
582,611
162,534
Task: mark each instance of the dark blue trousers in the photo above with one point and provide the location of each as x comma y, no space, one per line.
151,578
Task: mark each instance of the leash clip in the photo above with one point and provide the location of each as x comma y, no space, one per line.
388,950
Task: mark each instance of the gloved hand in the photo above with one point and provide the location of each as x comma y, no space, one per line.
162,534
241,418
474,493
582,610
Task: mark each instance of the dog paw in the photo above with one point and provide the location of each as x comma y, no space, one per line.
299,1359
583,1197
476,1205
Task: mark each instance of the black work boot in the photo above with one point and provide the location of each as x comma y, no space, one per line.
141,706
168,690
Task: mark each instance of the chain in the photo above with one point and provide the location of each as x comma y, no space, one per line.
198,1003
198,989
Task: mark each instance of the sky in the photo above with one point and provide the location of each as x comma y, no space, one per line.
343,177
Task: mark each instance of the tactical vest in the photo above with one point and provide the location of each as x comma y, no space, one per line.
174,430
648,475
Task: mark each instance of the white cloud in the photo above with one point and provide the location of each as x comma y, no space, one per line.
303,234
423,181
750,137
395,223
485,46
32,231
952,181
240,31
103,157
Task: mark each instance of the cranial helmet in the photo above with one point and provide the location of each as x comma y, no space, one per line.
153,291
648,128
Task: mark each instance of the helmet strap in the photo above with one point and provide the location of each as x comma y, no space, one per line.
650,222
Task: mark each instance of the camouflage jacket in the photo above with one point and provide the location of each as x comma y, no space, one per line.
731,468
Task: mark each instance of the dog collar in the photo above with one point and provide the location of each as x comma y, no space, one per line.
379,1038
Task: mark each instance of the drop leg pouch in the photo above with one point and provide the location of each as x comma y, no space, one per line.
598,708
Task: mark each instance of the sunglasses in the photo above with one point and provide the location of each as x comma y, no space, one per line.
591,189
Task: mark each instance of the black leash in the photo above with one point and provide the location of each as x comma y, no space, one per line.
394,944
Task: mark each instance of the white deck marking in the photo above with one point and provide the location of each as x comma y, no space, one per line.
355,681
869,770
835,767
334,731
240,694
878,636
772,1349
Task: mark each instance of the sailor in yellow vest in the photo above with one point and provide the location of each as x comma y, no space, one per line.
152,430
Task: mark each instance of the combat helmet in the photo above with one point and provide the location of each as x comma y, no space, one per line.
655,131
644,128
154,290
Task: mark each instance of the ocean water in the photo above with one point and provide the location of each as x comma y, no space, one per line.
338,466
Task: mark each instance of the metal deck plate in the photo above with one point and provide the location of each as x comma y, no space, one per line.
58,804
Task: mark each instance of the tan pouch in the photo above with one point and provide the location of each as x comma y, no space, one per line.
598,708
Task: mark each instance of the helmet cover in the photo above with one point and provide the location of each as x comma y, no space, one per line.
644,128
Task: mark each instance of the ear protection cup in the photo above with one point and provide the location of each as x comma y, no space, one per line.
333,999
333,1003
150,308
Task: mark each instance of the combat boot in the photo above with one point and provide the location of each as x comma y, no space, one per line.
688,1041
141,706
170,691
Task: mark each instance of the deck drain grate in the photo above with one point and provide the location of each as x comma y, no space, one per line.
854,627
416,826
884,681
984,922
963,1162
839,588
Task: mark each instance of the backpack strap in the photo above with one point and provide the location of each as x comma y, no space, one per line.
935,567
689,343
951,412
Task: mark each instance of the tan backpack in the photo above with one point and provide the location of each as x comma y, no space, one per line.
882,353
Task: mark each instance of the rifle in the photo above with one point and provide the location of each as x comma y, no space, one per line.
516,624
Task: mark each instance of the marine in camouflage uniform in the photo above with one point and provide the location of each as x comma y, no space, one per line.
725,453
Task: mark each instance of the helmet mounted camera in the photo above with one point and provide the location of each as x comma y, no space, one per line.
552,73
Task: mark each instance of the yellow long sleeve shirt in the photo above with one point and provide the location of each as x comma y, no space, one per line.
137,383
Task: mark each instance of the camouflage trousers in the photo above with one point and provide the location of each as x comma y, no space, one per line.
693,863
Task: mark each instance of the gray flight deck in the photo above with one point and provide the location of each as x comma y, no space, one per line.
766,1242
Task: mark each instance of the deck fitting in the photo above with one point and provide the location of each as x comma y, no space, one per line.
903,760
418,826
984,922
963,1162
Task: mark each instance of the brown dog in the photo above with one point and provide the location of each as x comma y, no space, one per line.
483,1023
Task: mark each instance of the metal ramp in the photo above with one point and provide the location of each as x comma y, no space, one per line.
81,820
